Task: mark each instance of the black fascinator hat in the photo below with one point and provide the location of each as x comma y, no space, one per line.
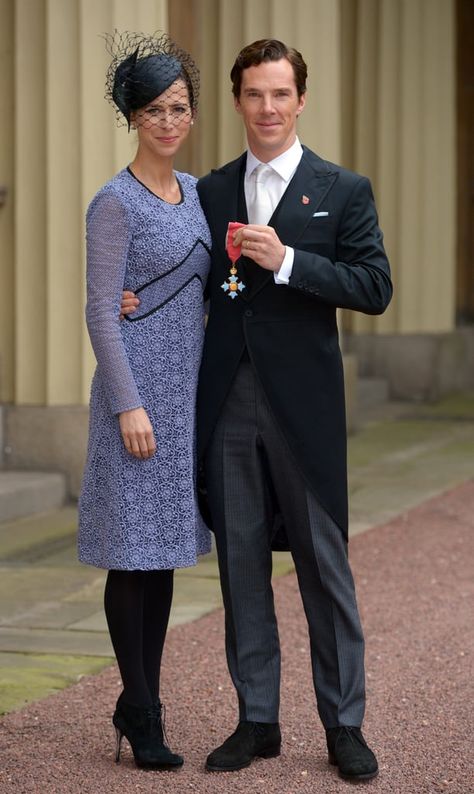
142,68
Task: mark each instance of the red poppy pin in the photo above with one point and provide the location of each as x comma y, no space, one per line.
304,200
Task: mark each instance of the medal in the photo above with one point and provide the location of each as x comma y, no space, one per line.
232,286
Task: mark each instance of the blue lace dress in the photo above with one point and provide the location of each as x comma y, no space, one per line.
142,514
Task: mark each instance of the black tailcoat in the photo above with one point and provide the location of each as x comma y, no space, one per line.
290,331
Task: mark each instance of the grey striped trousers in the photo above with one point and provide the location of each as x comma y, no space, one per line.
250,475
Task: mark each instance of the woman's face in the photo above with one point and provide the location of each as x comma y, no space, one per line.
164,123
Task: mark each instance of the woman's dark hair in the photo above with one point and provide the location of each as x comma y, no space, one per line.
268,50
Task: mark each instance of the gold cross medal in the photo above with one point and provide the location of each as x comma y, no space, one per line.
232,286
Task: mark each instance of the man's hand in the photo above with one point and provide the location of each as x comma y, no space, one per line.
137,433
261,244
129,303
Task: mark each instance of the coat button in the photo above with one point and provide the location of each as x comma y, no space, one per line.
248,313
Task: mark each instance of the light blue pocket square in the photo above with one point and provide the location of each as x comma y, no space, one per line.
320,214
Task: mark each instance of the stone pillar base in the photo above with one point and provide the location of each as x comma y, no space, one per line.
419,367
43,438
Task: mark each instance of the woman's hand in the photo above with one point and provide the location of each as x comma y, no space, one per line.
137,433
129,303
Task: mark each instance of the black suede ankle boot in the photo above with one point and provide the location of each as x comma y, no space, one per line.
143,727
250,740
348,750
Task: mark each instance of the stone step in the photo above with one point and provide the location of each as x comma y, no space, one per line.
30,539
24,493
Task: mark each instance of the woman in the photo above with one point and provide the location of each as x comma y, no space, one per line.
138,514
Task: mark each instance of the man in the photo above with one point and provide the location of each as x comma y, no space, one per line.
271,423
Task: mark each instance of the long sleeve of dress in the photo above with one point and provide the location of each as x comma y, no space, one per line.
108,241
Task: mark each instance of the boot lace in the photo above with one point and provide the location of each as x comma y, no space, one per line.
157,715
353,734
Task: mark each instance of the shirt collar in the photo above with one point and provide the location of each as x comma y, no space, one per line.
285,164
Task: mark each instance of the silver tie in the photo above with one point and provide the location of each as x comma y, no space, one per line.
261,208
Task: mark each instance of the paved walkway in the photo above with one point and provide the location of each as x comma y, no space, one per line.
414,576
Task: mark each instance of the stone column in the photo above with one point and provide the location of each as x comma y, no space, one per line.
30,294
404,139
7,275
62,278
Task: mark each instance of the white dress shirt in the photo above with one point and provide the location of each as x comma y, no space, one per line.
283,169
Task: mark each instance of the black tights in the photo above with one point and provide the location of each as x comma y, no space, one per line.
137,607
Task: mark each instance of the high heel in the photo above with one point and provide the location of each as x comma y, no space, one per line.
118,743
143,728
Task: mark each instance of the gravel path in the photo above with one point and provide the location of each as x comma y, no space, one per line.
416,588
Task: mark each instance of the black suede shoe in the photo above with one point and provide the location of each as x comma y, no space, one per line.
347,749
250,740
143,727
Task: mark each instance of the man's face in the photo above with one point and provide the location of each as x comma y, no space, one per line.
269,105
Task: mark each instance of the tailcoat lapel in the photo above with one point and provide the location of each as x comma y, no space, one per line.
312,180
303,197
224,204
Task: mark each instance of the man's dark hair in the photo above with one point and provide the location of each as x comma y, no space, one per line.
268,50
